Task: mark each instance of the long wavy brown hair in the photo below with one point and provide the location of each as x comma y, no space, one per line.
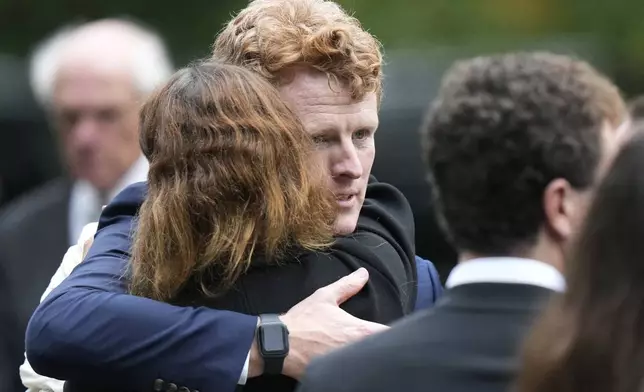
230,178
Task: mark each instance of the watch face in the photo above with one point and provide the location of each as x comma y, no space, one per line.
274,341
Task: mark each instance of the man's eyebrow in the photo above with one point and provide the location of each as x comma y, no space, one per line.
325,129
370,125
319,129
324,132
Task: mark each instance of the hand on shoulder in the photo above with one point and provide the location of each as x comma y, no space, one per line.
318,325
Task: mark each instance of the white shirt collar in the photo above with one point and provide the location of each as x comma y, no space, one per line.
85,202
136,173
510,270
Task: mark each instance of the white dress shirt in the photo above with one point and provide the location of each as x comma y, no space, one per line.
510,270
85,201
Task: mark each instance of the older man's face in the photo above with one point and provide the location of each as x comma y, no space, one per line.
343,130
96,115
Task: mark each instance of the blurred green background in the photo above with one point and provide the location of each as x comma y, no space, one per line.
611,32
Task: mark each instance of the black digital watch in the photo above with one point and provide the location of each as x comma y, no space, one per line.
272,339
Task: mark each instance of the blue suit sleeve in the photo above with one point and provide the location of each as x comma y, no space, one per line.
437,286
89,329
429,284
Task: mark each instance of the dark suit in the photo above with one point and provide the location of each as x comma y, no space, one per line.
33,239
467,342
78,332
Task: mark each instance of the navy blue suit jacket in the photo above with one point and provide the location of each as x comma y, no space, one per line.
430,288
88,328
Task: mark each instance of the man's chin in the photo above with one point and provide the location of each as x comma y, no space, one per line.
98,179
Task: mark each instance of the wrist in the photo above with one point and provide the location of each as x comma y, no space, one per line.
293,359
277,362
255,362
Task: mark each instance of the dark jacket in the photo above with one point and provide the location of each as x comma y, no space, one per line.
469,341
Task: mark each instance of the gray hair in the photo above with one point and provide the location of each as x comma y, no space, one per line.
148,61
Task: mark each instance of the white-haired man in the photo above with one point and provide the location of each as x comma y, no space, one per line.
90,79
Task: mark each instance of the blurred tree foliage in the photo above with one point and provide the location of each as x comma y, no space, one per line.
615,26
189,26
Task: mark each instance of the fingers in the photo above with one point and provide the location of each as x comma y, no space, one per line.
346,287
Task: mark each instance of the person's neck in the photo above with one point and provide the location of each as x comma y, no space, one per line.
134,172
547,254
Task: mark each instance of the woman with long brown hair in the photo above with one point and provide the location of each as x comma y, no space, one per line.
591,339
229,179
238,216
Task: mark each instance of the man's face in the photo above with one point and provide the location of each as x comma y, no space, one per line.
95,114
343,131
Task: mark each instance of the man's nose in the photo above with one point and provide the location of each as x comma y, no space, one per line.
347,163
84,133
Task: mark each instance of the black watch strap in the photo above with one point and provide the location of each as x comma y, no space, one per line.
269,319
272,338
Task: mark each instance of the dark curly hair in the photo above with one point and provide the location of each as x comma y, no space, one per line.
501,129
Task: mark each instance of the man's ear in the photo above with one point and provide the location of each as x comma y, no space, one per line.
559,204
